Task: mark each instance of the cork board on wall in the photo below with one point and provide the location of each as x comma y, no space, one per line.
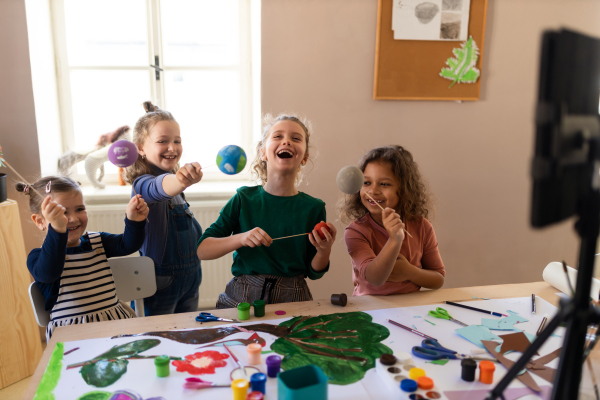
410,69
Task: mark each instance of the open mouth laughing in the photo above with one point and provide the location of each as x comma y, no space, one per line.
284,154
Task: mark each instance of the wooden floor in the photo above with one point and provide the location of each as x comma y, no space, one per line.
17,389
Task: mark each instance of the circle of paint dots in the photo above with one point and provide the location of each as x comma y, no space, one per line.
394,370
416,396
486,372
403,357
468,369
425,383
240,389
408,385
408,367
123,153
319,231
273,366
255,395
350,179
162,366
400,378
243,311
416,373
259,308
433,395
339,299
280,312
231,159
387,359
258,382
254,350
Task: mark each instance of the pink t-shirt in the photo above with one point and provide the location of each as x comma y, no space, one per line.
365,239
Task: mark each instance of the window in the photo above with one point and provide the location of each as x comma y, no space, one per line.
190,57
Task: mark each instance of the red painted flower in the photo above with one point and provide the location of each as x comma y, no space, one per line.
201,363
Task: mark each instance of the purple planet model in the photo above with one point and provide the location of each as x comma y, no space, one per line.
123,153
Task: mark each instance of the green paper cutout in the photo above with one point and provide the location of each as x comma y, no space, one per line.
428,321
95,395
443,361
51,375
343,345
462,66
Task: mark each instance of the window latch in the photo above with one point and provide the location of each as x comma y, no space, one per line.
157,68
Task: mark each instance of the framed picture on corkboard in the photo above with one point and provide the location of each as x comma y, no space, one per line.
410,69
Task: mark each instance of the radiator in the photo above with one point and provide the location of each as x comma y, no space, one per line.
215,273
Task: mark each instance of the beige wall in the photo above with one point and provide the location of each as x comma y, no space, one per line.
18,132
318,61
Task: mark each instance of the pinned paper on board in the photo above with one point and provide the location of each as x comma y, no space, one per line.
430,19
461,67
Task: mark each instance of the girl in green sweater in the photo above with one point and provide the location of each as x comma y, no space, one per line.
263,269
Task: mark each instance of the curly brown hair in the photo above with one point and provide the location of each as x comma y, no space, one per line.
58,184
415,200
141,131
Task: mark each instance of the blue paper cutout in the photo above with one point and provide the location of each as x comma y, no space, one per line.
503,324
476,333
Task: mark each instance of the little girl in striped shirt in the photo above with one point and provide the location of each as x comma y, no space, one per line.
71,267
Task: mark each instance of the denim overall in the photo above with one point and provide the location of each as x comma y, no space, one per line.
179,275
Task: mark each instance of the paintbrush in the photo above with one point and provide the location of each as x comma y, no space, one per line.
237,361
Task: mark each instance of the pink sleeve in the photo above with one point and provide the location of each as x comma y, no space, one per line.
431,256
360,251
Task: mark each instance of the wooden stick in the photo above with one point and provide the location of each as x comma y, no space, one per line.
285,237
23,179
379,205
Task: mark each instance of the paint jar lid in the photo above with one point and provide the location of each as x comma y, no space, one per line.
255,395
387,359
240,384
243,306
259,303
425,383
273,361
254,348
468,363
487,366
408,385
258,377
161,360
403,357
416,373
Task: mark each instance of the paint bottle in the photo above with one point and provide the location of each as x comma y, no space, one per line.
243,311
254,350
255,396
468,369
416,373
258,382
162,366
339,299
408,385
240,389
259,308
486,372
273,366
425,383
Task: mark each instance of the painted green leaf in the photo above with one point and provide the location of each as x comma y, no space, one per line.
462,68
103,373
95,395
129,349
343,345
51,375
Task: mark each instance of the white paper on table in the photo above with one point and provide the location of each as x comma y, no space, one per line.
430,19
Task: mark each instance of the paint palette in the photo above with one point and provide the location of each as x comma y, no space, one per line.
392,375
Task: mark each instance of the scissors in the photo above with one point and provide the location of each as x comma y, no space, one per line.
443,314
431,349
208,317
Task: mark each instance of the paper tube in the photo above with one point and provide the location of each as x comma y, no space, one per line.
555,276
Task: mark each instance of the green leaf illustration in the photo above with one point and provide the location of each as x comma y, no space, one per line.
462,68
343,345
51,375
103,373
129,349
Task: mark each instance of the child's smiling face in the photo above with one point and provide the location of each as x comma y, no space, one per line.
162,147
75,212
381,183
285,149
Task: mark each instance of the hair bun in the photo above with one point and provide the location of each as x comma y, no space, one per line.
149,107
20,187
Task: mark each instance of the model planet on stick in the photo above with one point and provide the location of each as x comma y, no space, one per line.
231,159
350,179
123,153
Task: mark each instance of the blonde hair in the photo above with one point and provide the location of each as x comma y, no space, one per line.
141,131
259,166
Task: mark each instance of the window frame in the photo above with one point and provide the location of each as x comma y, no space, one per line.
248,117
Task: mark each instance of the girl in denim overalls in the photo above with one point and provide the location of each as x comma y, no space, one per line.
172,233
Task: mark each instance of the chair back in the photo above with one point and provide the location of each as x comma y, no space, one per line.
38,302
135,279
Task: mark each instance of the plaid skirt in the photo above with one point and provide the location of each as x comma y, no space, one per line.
270,288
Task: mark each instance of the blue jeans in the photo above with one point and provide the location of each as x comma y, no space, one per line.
179,275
